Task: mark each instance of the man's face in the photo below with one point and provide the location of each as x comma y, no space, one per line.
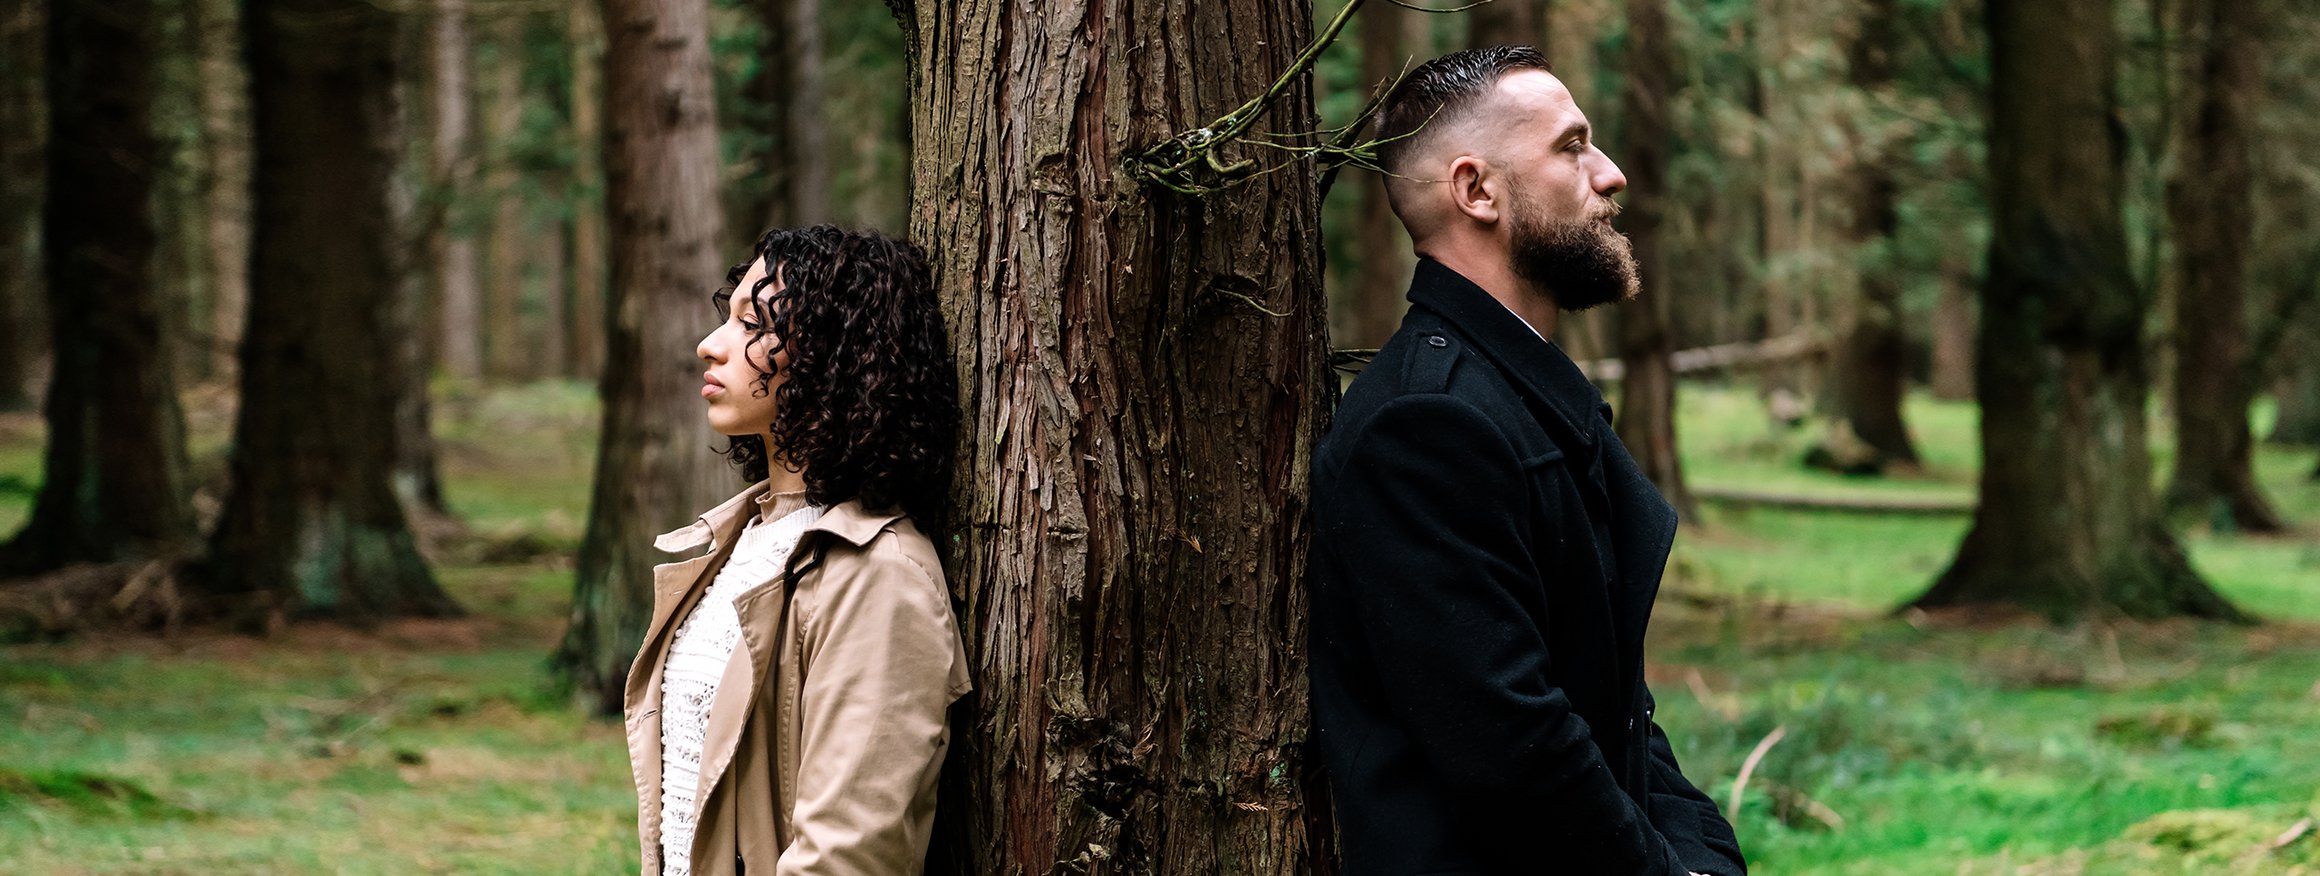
1559,188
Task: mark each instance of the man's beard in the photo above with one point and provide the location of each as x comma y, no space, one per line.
1581,263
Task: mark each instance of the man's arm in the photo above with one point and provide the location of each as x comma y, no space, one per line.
1428,516
1702,838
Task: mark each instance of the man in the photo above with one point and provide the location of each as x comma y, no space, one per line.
1486,553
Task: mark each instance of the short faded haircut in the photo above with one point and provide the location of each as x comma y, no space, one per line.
1440,92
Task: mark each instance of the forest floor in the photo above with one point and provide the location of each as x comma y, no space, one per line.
1907,743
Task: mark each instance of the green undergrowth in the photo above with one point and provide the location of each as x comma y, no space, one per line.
1907,743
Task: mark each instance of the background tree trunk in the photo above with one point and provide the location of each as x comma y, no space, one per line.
1128,536
760,198
114,482
2209,213
655,467
417,480
2067,522
1868,374
312,526
1503,23
805,121
506,356
225,182
23,176
1392,40
1953,334
1647,391
458,297
586,34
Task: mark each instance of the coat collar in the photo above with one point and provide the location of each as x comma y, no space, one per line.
847,520
1539,369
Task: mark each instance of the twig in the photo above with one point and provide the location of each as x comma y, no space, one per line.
1748,767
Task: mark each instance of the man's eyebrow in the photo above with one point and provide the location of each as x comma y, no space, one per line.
1579,129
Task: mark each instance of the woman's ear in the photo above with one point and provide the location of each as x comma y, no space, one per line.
1474,189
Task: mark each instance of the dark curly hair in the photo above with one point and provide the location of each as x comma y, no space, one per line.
869,406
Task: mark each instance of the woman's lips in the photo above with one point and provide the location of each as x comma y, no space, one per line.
711,386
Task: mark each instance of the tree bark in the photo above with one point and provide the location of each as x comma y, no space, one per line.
312,526
417,480
114,480
225,182
458,295
1869,372
585,32
655,467
1647,389
1142,378
2068,524
760,198
23,177
2209,210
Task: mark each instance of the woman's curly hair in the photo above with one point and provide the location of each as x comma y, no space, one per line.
868,407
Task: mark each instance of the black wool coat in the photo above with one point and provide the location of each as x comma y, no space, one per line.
1485,558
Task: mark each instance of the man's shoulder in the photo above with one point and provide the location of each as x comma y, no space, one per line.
1425,359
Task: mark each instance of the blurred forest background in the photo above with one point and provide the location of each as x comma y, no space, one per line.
364,326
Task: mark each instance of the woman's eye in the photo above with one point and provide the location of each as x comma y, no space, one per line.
749,325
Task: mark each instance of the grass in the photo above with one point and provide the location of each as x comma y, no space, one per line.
1909,744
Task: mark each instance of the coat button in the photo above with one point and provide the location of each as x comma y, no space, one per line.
1438,340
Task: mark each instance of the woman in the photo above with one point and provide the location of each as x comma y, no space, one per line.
786,713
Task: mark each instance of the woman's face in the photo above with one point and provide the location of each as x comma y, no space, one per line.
730,384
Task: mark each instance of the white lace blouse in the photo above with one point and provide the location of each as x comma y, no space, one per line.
697,658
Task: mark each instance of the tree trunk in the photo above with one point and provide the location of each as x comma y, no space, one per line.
114,481
655,468
2067,523
418,481
1143,376
2209,211
805,123
1869,371
225,182
2298,394
1953,334
1391,41
506,356
1505,23
458,297
312,526
23,175
585,31
1647,391
759,198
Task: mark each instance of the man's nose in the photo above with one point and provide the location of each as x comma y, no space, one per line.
1607,179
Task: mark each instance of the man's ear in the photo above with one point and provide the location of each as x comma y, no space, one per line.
1473,189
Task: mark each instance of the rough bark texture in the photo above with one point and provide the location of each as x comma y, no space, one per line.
1647,389
24,113
1869,371
655,466
1392,39
312,526
1128,538
113,484
585,31
2209,211
458,296
224,157
2067,524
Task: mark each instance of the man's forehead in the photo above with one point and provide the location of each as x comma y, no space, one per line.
1534,91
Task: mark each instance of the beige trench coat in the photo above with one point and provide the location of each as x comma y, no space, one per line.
828,728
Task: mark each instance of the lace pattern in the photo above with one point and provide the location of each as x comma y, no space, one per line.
704,644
